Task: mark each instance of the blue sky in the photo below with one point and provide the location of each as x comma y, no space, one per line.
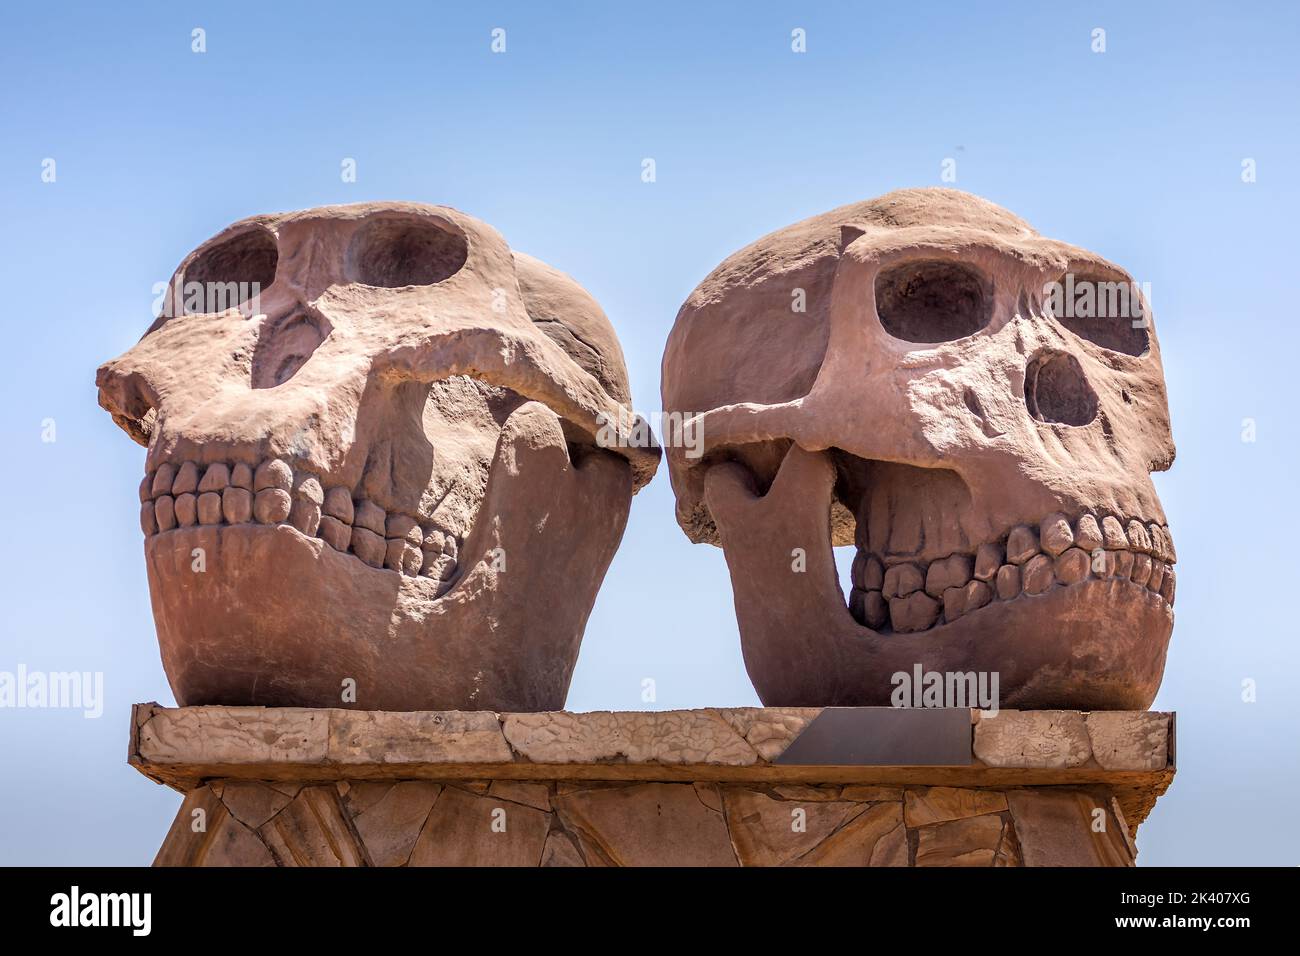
1135,153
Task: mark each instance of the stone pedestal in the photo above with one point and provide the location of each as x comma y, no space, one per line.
714,787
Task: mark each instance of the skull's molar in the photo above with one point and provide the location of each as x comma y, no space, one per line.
893,594
175,497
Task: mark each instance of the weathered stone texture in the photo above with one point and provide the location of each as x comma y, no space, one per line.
679,788
668,737
772,830
379,737
972,841
468,829
328,561
653,824
1129,741
1068,828
389,827
1033,738
598,823
313,830
937,804
838,423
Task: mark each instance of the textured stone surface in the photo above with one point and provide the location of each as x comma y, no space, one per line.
774,830
1043,738
205,834
536,795
769,730
869,793
467,829
603,823
973,841
252,803
177,745
390,826
344,788
378,737
905,413
507,364
1122,741
874,837
313,830
361,795
235,734
936,804
653,824
1060,828
560,850
799,791
680,736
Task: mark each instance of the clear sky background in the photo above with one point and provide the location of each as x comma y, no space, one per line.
1135,153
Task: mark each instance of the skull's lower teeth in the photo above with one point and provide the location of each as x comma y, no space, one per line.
273,493
907,597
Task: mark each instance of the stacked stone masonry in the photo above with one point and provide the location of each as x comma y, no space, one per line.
296,787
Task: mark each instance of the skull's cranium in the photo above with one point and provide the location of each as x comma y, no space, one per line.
990,460
384,478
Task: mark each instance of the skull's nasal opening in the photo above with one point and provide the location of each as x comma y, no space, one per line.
1057,391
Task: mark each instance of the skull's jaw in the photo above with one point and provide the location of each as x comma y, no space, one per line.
1098,643
277,617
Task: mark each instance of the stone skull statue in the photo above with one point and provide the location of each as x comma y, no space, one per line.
927,378
373,476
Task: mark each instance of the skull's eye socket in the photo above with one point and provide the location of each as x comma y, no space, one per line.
230,273
391,253
932,301
1106,310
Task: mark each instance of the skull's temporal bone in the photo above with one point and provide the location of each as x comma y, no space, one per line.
986,447
372,476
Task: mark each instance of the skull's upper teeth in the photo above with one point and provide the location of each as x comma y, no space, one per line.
907,596
228,494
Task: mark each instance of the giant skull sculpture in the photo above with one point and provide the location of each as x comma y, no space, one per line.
891,375
377,483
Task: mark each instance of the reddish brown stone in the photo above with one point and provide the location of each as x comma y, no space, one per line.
1067,828
1022,544
252,803
561,851
466,829
1055,534
924,806
950,572
390,826
916,612
1038,574
1071,566
874,837
870,793
771,832
652,824
518,382
205,834
973,841
1008,582
1087,533
237,504
312,831
901,580
889,418
187,512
